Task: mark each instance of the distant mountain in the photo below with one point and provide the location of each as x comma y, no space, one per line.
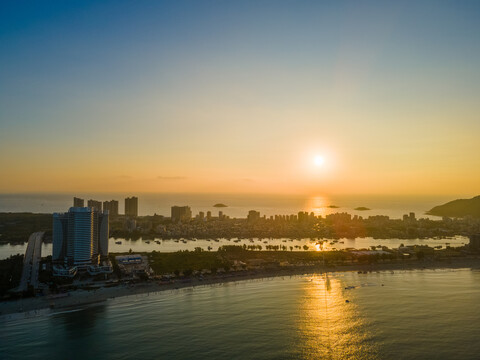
458,208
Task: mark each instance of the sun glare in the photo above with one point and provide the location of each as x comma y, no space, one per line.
318,160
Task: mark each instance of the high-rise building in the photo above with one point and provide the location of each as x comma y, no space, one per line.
80,237
60,228
131,206
181,213
103,234
253,215
77,202
97,205
111,206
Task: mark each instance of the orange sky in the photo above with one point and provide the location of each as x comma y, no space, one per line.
241,98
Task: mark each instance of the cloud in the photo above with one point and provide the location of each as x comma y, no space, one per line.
171,178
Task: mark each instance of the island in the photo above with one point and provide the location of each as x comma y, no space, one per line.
220,205
362,208
458,208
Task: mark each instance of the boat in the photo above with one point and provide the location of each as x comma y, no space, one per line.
118,242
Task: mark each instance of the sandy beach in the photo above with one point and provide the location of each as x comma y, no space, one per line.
37,306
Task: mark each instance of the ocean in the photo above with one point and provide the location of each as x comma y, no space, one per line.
238,204
429,314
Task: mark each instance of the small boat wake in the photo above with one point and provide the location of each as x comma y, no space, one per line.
65,312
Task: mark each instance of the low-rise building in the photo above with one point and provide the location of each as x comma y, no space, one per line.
134,265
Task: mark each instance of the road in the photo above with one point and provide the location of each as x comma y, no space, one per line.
31,262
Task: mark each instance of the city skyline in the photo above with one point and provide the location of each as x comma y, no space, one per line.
240,98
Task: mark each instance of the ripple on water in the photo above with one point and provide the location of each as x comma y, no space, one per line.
416,314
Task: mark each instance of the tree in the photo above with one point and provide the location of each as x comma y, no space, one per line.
188,272
420,255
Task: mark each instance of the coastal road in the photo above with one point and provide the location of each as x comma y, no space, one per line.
31,261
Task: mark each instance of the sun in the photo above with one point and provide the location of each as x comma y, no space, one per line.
318,160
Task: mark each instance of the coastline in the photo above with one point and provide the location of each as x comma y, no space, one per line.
38,306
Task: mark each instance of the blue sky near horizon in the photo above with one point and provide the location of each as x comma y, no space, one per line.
238,96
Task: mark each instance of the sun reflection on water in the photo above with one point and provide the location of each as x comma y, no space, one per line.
318,205
329,326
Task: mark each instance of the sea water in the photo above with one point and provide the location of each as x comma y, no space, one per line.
238,204
429,314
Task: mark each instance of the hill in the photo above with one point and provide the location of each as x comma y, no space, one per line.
458,208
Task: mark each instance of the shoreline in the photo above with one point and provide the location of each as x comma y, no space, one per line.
38,306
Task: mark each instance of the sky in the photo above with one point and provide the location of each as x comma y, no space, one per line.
240,96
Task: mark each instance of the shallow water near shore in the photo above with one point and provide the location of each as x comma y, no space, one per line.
414,315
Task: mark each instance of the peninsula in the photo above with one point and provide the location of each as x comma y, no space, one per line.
458,208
